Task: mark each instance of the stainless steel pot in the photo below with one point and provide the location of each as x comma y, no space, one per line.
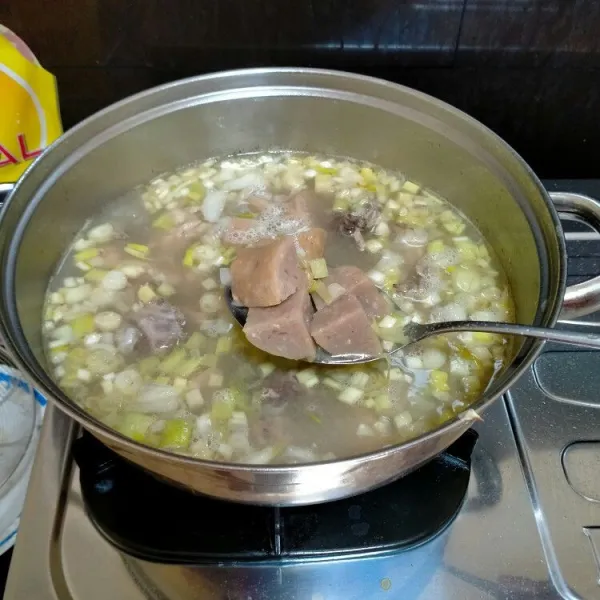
301,109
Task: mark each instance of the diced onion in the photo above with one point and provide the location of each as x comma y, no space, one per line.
249,180
263,456
108,320
128,382
414,237
210,303
157,398
213,205
403,420
351,395
413,362
101,233
364,431
467,281
433,358
114,281
77,294
450,312
224,276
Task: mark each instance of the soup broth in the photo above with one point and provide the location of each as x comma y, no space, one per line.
138,333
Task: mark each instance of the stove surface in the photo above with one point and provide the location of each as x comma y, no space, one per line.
529,527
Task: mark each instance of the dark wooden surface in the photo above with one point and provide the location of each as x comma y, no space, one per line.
529,69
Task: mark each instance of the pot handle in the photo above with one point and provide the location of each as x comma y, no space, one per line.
582,298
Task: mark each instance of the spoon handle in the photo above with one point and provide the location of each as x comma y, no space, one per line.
418,332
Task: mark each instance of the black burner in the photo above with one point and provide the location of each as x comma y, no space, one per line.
155,521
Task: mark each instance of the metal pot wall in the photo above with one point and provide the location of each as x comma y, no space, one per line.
267,109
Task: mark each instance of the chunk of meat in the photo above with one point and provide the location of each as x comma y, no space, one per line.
161,324
266,275
297,207
257,203
269,430
357,283
343,327
312,243
277,391
110,257
236,230
179,238
413,260
283,330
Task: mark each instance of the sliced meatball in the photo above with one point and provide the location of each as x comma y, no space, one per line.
161,325
343,327
283,330
357,283
266,275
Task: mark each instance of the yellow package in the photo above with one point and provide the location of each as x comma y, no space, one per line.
29,115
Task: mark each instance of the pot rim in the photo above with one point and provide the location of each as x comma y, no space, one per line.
23,356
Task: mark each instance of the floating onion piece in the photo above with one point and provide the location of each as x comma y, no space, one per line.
155,398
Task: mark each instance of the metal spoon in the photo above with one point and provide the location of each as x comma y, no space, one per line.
415,332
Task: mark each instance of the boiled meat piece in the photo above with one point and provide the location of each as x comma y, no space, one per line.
311,243
343,327
357,283
236,232
266,275
283,330
297,207
160,323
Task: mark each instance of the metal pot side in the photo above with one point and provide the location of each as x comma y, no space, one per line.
268,109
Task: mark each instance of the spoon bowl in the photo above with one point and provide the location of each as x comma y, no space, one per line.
415,332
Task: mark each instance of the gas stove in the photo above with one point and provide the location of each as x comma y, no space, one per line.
510,513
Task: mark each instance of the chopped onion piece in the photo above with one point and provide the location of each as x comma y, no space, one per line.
77,294
388,322
467,281
485,315
210,303
224,276
203,425
413,361
157,398
264,456
194,399
114,281
128,382
101,233
403,420
84,375
108,320
249,180
297,454
213,205
359,379
351,395
433,358
364,431
308,378
377,277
